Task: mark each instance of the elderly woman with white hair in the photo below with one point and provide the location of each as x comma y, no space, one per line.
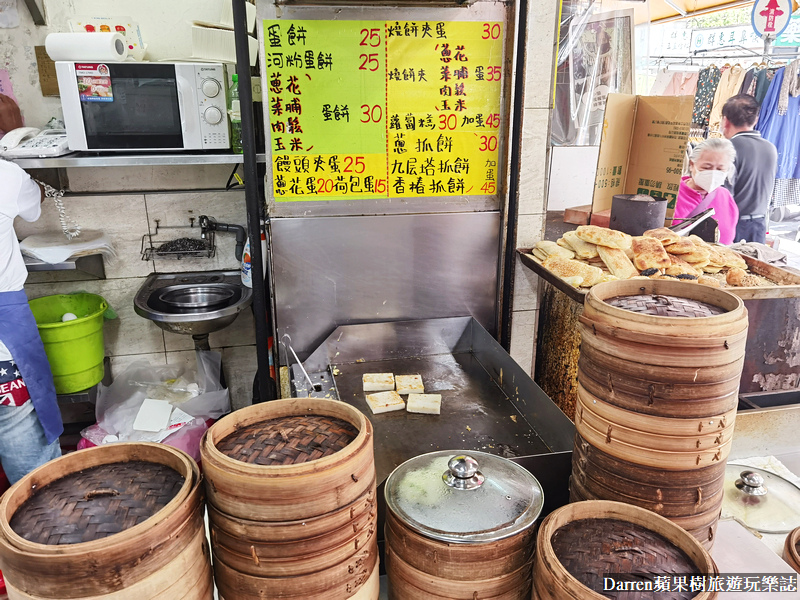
710,164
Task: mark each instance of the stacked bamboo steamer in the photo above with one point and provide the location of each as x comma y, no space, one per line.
581,544
460,527
291,493
658,381
791,549
117,522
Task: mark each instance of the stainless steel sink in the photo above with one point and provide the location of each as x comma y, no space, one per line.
192,303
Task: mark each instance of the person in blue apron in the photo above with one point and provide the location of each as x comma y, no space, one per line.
30,420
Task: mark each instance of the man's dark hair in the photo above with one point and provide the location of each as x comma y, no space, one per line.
741,111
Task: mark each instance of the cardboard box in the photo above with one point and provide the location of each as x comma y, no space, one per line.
642,147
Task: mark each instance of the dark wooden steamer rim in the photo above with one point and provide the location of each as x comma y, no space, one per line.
288,440
590,549
96,503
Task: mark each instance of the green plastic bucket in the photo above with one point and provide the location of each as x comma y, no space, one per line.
74,348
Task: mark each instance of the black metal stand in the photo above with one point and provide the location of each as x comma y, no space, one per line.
255,201
512,212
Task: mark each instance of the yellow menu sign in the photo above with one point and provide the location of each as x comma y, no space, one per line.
374,109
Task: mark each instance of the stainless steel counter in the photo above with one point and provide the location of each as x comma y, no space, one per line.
488,402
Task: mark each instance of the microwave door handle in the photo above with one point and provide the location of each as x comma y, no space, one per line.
190,127
181,106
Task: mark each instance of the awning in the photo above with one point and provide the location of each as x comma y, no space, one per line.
668,10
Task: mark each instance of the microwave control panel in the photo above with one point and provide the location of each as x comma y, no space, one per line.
210,83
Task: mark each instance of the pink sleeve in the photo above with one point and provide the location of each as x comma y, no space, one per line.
683,205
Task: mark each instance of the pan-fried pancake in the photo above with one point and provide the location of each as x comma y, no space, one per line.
617,262
603,236
649,254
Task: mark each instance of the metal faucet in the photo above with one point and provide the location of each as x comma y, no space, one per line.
210,224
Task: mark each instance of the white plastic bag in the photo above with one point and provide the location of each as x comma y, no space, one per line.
194,389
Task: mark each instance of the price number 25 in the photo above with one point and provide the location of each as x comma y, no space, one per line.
372,39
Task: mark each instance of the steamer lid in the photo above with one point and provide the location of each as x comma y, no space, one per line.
761,500
464,497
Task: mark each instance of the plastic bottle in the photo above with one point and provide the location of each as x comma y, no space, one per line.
235,114
247,269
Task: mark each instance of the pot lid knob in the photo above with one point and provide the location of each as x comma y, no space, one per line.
751,483
463,473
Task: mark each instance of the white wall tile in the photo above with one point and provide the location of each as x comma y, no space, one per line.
240,365
129,333
530,229
523,337
533,161
122,217
526,287
176,209
242,332
123,179
540,53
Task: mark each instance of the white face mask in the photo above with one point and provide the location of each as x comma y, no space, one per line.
710,180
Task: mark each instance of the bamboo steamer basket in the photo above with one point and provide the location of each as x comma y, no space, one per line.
791,549
298,557
408,582
131,514
368,591
460,526
280,532
658,383
598,538
288,492
654,482
291,487
688,435
341,581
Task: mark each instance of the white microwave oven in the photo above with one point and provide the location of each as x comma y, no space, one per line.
132,106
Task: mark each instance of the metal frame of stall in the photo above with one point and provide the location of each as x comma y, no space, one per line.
476,233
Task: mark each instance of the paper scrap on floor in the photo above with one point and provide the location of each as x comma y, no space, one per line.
153,415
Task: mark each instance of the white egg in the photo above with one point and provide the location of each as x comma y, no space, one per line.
68,317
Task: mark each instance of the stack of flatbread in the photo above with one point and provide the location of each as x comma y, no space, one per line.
591,255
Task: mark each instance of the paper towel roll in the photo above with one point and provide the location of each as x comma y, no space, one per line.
109,47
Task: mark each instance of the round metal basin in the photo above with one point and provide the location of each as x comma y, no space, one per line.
200,297
192,303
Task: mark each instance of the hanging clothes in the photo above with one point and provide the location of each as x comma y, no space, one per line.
707,83
682,84
790,86
763,81
663,79
782,130
730,83
749,83
786,193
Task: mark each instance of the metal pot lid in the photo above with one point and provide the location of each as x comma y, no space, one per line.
464,496
761,500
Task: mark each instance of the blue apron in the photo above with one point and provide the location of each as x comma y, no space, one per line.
19,333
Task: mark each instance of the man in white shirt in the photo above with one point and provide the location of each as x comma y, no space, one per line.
30,420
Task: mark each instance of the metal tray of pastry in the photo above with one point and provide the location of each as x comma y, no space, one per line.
527,258
787,284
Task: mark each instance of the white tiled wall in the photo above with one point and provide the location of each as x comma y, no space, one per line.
534,167
125,218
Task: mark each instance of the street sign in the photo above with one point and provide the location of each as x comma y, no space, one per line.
771,17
